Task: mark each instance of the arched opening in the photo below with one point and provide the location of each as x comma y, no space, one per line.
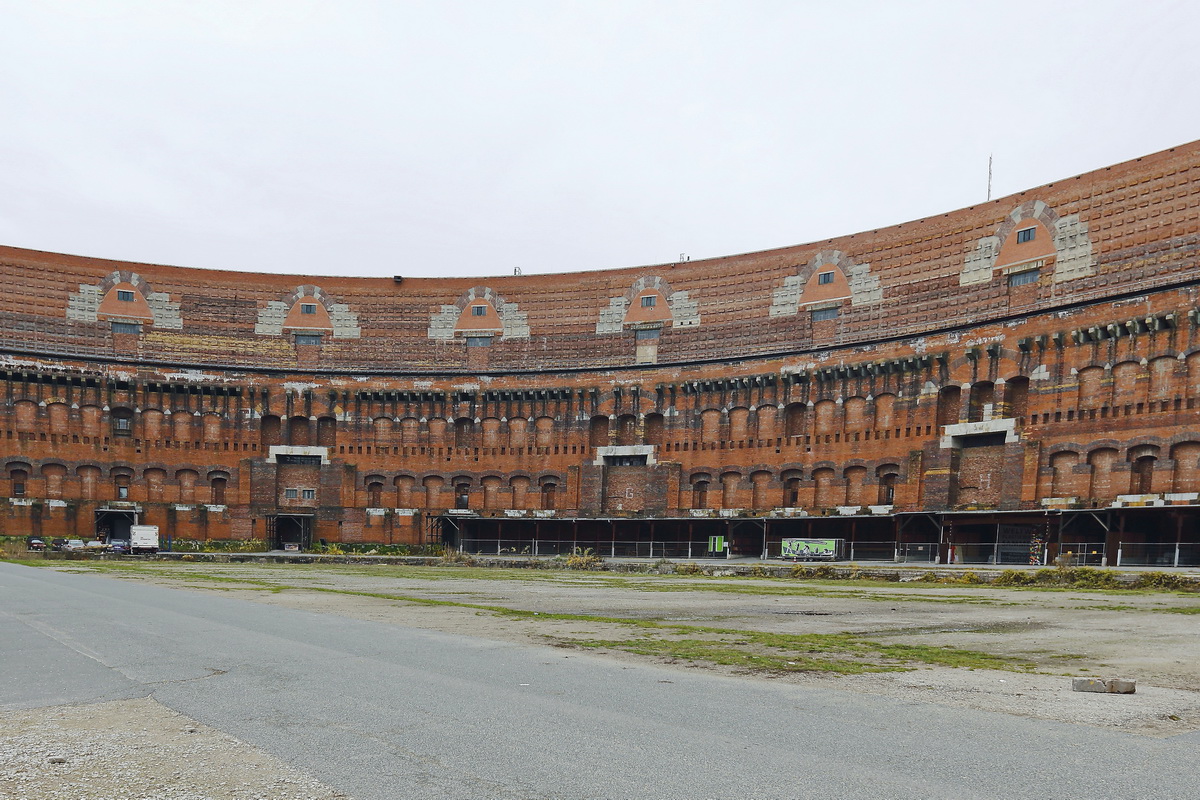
1141,479
327,431
298,432
19,480
217,482
700,484
269,431
948,405
549,494
122,422
1016,397
887,475
1063,466
598,431
791,489
627,430
462,496
464,429
375,494
655,429
982,400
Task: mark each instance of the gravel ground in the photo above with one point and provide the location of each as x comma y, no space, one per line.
136,750
140,750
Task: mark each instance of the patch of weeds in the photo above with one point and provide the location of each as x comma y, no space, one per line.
585,560
1013,577
1163,580
1182,610
688,569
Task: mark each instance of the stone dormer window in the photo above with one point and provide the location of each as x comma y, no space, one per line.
1026,235
649,301
824,278
308,308
125,296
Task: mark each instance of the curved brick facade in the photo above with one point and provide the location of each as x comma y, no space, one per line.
1011,380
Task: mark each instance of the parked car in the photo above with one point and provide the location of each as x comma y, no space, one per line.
74,544
58,544
118,545
34,543
95,545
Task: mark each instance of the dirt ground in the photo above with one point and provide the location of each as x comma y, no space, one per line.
1046,635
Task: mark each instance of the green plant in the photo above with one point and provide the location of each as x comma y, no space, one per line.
970,577
1163,580
688,569
584,559
1013,577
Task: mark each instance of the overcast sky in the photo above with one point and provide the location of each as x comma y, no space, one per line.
475,138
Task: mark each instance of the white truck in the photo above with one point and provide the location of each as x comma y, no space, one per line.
143,539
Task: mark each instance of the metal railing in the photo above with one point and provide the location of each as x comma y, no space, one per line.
1082,554
1142,554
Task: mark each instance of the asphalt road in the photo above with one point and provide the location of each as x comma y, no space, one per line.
384,712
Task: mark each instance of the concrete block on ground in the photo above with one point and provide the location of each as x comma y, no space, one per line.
1088,685
1104,686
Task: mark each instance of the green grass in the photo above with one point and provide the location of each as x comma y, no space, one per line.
839,653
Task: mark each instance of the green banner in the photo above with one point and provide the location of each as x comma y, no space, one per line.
810,548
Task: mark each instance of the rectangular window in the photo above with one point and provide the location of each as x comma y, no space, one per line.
122,492
649,301
1026,235
646,334
308,494
823,314
824,277
291,494
1023,278
126,327
308,308
308,338
478,311
18,490
122,426
478,341
124,295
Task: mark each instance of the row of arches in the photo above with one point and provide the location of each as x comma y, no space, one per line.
489,492
822,486
56,481
1106,469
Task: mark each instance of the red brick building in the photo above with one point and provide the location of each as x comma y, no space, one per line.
1009,381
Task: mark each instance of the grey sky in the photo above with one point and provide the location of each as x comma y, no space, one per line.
472,138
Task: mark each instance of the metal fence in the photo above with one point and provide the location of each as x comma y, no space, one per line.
1082,554
1141,554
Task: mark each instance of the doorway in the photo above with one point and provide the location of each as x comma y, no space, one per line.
112,525
290,532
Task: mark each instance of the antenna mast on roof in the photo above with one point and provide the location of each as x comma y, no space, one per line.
989,176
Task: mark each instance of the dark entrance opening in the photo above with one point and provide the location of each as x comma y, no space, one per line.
290,531
112,525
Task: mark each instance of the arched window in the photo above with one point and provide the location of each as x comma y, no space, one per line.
462,495
549,493
700,494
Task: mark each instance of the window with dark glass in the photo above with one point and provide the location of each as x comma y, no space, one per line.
478,311
126,327
308,338
823,314
1023,278
478,341
308,494
1026,235
649,301
308,308
124,295
824,277
645,334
